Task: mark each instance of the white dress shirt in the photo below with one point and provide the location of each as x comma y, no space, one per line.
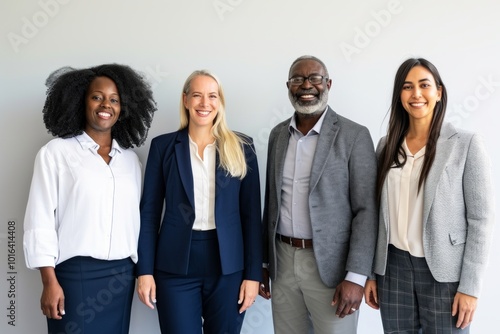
406,204
204,186
80,206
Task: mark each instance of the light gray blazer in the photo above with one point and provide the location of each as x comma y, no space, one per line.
458,212
342,198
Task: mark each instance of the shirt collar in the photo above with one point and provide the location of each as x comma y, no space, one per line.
316,128
87,143
192,143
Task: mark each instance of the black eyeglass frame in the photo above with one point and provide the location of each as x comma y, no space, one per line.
314,79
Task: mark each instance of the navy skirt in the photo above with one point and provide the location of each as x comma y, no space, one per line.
98,296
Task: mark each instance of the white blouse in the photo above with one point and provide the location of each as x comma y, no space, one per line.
406,204
204,186
80,206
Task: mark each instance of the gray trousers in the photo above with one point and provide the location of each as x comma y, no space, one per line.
300,298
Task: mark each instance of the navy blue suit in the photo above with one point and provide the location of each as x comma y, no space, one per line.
168,186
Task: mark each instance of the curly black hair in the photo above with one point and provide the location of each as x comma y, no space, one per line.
64,109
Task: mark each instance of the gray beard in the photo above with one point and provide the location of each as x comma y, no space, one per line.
311,109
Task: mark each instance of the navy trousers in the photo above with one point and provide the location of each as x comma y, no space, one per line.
412,301
98,296
204,298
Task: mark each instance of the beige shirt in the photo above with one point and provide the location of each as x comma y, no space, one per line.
406,204
204,186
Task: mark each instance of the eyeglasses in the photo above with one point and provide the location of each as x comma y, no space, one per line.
313,79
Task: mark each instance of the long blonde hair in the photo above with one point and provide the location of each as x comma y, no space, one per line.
229,145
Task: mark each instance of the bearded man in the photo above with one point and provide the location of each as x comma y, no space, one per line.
320,213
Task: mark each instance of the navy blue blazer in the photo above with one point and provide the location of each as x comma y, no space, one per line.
168,186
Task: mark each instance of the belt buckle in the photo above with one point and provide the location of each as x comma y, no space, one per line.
303,244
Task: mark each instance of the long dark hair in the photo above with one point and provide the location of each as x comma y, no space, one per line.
399,123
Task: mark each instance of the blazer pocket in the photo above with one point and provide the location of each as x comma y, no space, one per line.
458,237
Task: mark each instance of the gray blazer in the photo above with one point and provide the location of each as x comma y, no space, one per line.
342,199
458,212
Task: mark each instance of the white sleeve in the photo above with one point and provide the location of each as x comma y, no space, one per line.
40,240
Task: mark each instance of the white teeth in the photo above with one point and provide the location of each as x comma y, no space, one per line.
104,114
420,104
307,96
203,113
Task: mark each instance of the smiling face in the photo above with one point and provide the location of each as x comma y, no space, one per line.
202,102
307,98
419,94
102,106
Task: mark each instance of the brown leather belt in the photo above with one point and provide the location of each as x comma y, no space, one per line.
295,242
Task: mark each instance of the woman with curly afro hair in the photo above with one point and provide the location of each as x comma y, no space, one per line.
82,219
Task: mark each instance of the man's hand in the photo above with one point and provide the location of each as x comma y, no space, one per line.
264,285
348,296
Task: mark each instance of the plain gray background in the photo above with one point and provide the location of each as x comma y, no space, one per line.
249,45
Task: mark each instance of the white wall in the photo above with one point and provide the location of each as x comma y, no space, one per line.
249,45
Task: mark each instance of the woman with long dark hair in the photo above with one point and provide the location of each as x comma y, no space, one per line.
436,212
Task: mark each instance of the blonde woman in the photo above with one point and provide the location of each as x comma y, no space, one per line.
200,261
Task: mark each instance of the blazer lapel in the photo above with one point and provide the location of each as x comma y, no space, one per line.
222,177
182,153
327,136
281,147
384,206
444,146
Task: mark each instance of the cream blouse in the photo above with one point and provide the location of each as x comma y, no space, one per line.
204,185
406,204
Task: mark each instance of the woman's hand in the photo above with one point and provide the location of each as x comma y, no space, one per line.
146,290
371,296
465,306
52,300
248,292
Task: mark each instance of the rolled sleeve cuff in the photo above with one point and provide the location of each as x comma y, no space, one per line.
40,248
